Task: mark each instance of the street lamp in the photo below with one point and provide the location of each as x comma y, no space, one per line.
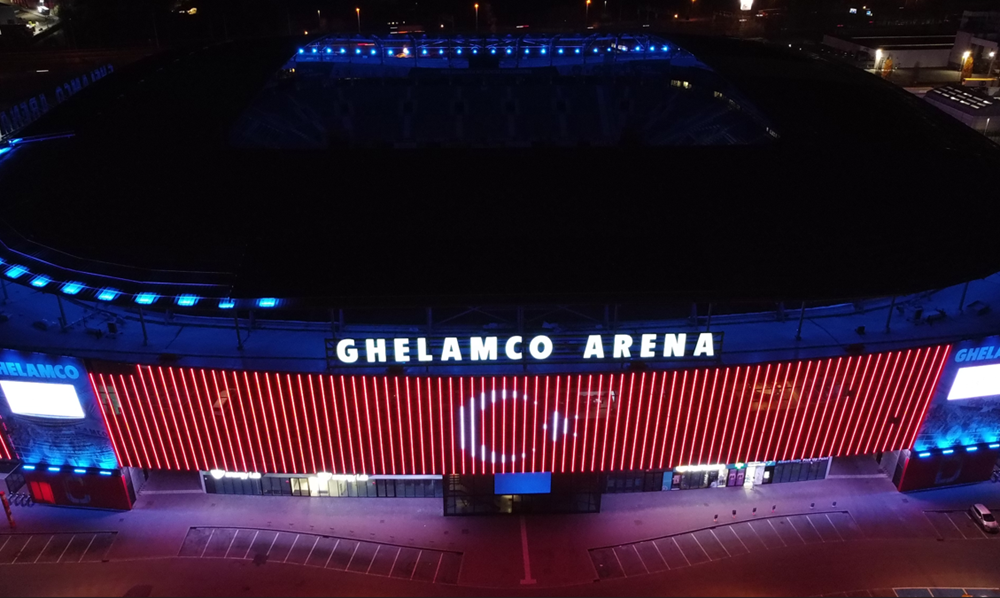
477,16
358,11
993,55
961,67
586,13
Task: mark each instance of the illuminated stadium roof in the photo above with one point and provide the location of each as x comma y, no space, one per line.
248,174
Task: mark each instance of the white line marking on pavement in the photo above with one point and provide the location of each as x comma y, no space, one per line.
436,569
91,543
315,542
212,533
63,553
230,547
636,551
720,542
674,540
329,558
43,549
30,538
524,550
374,556
835,530
291,549
255,534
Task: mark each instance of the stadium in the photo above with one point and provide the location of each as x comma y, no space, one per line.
512,272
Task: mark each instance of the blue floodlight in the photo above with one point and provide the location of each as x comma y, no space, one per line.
4,150
475,51
374,51
314,50
329,51
301,51
971,449
388,50
267,302
577,51
665,48
357,50
28,467
624,49
227,304
652,48
509,50
406,51
54,469
638,48
78,470
343,50
423,52
923,454
440,51
458,51
994,446
40,281
527,51
72,288
595,50
609,49
146,298
493,50
103,472
560,50
947,451
187,300
16,271
544,50
108,294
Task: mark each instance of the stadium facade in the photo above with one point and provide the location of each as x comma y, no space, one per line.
498,406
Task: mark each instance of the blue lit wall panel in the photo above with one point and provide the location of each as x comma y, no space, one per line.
522,483
49,414
965,408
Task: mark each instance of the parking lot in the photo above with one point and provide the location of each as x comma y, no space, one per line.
958,525
20,549
313,550
722,541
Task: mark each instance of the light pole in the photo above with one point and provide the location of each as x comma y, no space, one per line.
358,11
586,13
961,67
319,20
476,5
993,56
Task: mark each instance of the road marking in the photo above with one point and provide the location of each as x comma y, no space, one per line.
351,560
698,542
230,547
415,563
681,551
835,530
619,561
5,542
783,543
394,559
210,535
291,549
333,551
30,538
63,553
273,540
636,551
43,549
720,542
524,550
91,543
791,524
653,542
375,556
436,569
255,534
315,542
815,530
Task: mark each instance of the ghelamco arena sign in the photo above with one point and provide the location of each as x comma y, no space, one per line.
589,348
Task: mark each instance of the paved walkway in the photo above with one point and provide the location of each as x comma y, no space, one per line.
490,550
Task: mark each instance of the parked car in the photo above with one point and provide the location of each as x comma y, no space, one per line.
983,518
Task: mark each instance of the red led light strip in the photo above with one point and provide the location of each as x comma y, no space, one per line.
808,413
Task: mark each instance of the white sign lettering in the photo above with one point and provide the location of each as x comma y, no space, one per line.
539,347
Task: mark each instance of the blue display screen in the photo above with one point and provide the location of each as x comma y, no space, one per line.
522,483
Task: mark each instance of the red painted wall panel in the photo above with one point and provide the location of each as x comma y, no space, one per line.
188,418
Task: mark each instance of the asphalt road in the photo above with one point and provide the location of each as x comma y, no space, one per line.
793,571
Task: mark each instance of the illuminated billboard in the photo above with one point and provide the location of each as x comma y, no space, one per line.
49,413
965,409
